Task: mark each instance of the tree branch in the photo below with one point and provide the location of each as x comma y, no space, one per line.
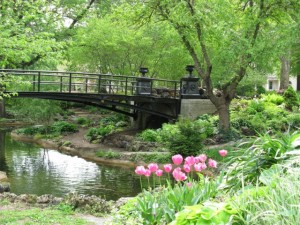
81,15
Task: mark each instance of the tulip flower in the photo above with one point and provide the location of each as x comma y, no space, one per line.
190,160
201,158
186,168
140,170
153,167
159,172
212,163
168,168
223,152
147,173
189,184
177,159
179,175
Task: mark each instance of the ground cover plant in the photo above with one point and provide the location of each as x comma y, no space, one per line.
250,187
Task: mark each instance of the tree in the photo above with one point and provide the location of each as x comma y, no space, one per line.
225,39
115,44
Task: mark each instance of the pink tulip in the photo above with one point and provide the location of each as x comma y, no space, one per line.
199,167
223,152
186,168
177,159
212,163
147,173
189,184
153,167
201,158
190,160
140,170
179,175
159,173
182,176
168,168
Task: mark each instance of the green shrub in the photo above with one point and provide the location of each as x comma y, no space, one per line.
151,157
290,98
160,206
64,127
149,135
97,133
246,164
276,203
273,98
206,213
294,120
189,140
83,121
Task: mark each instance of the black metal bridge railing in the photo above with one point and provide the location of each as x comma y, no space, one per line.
92,83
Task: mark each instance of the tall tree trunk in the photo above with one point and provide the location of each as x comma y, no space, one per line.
2,108
224,117
284,74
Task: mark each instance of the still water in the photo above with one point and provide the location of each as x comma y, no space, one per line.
35,170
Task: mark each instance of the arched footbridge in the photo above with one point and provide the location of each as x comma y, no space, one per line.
140,97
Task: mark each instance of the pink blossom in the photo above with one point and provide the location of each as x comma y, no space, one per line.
201,158
177,159
186,168
140,170
212,163
182,176
199,167
168,168
159,172
189,184
190,160
147,173
223,152
178,174
153,167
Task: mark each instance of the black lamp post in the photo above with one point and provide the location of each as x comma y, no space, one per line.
190,69
143,83
143,71
189,84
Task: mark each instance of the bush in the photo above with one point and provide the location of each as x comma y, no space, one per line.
290,98
189,140
83,121
273,98
246,164
64,127
150,135
98,133
294,120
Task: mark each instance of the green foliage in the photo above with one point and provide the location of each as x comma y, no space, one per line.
39,216
246,164
294,120
150,135
97,133
83,121
206,213
157,157
159,207
189,140
55,129
275,203
108,154
273,98
290,98
252,116
63,127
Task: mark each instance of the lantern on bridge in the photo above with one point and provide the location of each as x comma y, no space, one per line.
189,84
143,84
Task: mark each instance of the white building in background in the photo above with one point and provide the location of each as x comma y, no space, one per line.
273,83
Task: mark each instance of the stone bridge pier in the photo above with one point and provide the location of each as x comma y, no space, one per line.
146,120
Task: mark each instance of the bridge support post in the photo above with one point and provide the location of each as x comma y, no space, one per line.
2,108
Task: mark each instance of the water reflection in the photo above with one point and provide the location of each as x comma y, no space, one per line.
34,170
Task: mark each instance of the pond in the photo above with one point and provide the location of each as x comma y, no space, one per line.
35,170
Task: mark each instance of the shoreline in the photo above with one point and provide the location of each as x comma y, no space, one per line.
86,153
